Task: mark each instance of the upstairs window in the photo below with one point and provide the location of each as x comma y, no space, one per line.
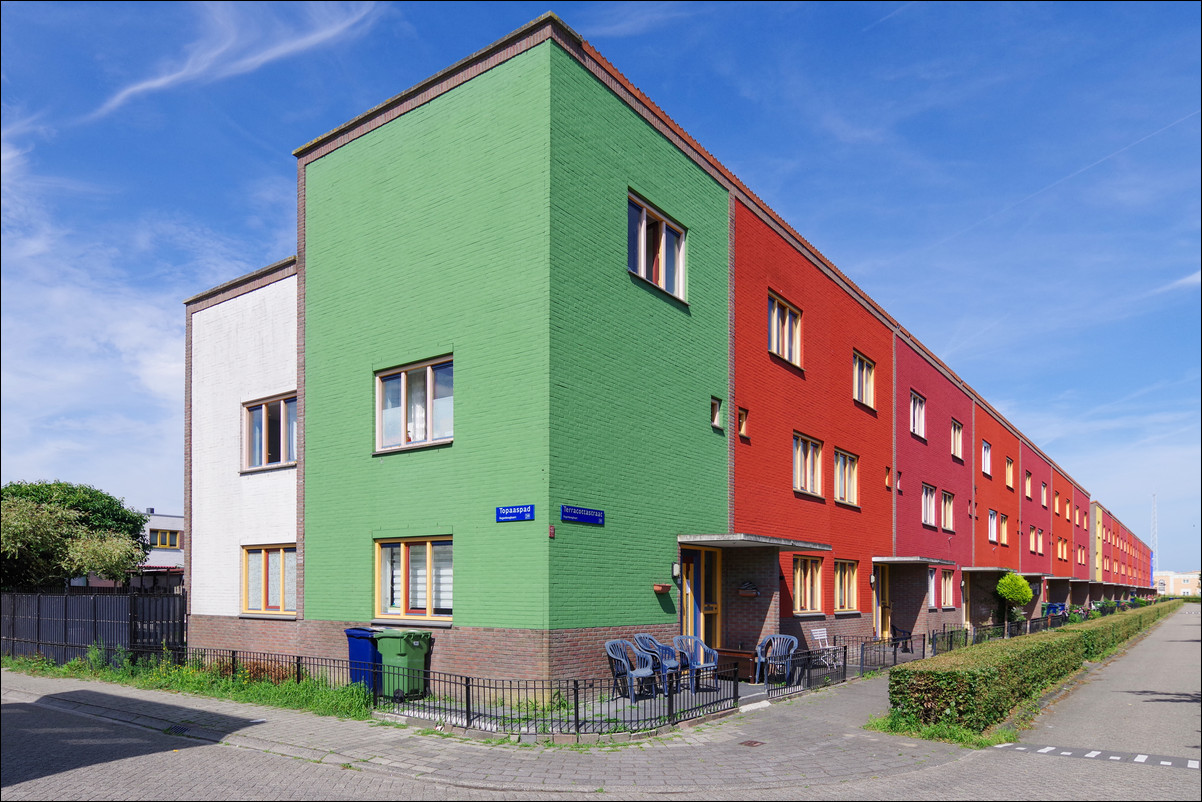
847,487
807,465
1005,530
986,458
949,506
957,439
1027,484
164,538
415,405
270,432
862,386
993,526
928,505
784,330
654,247
918,415
1009,473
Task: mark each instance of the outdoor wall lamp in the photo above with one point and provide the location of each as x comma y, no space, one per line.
872,580
676,570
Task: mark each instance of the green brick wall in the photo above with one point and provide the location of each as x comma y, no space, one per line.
632,369
430,235
490,223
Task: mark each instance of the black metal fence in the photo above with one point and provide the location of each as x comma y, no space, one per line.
57,625
804,670
948,639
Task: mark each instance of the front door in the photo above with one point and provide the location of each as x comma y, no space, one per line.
701,598
880,589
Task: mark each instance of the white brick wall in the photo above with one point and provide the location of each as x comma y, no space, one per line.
242,349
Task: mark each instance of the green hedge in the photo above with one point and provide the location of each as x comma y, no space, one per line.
978,686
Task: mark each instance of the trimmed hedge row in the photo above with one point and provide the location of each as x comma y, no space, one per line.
978,686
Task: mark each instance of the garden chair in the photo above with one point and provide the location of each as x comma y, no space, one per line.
829,656
667,661
773,655
619,653
695,657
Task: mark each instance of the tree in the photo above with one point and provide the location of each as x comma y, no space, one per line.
1014,591
51,531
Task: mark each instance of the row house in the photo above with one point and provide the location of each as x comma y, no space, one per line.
543,372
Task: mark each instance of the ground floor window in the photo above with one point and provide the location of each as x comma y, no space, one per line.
414,578
948,589
845,585
269,579
807,585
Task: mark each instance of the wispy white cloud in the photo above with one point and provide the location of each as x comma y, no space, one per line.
888,16
634,19
1192,281
238,38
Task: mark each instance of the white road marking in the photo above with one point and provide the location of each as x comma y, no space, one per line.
1115,757
1166,762
1047,749
1002,746
1140,758
1093,754
1069,754
1193,764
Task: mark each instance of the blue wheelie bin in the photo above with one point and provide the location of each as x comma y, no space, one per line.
364,655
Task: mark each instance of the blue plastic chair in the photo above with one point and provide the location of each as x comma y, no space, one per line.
667,661
619,652
774,652
695,657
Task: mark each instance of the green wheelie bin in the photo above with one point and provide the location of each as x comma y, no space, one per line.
403,657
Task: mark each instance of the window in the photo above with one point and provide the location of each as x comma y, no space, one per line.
807,585
1076,516
164,538
948,508
1005,530
948,598
845,585
269,579
862,387
918,415
846,483
742,422
271,432
654,248
928,505
957,439
931,574
1027,484
716,413
986,458
1056,503
415,405
1039,541
1043,494
1032,540
414,578
1009,473
807,465
993,526
784,330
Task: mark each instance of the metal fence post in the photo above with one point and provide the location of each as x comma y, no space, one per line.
576,705
298,668
233,663
467,701
671,699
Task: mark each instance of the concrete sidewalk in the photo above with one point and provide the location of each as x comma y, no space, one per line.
812,739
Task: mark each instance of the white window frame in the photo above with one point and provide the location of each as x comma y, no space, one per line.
1043,494
931,600
918,415
784,330
1004,527
986,458
654,223
947,518
807,464
863,386
928,506
409,440
846,478
256,451
947,597
716,412
1009,473
993,526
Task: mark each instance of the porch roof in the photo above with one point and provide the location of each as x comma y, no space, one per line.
985,569
911,561
735,540
1086,581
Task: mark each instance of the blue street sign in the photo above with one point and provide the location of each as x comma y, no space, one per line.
582,515
522,512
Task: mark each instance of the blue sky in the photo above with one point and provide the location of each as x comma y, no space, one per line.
1018,184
